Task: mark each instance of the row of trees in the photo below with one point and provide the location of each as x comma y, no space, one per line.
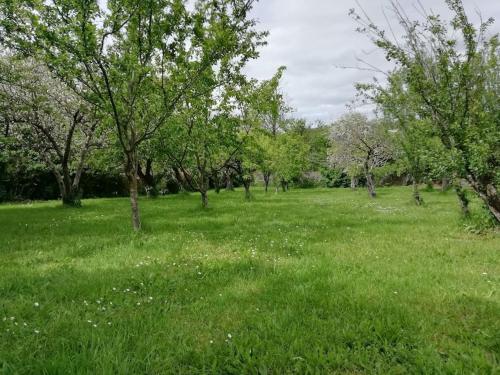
439,112
157,87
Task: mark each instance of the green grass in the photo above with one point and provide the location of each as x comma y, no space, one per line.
309,281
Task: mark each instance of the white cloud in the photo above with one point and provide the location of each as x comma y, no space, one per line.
315,38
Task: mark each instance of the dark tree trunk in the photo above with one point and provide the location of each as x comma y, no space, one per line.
148,179
68,190
283,185
267,177
216,181
246,184
462,198
131,172
203,186
70,198
489,195
416,194
229,182
370,184
182,179
204,199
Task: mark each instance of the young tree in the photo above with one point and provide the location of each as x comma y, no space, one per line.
454,73
45,116
359,143
203,136
412,136
289,158
247,161
250,156
201,142
271,108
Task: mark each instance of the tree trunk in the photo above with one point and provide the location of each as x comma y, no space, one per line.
216,181
416,194
283,185
354,183
462,198
148,179
70,198
204,199
246,184
69,194
489,195
131,172
267,177
370,184
229,182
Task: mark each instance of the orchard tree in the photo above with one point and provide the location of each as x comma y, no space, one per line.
358,143
289,158
412,136
203,138
251,155
134,60
47,117
272,109
453,71
419,151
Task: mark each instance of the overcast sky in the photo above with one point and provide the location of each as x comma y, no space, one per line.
314,38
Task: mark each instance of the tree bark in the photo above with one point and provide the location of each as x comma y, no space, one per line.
267,177
148,179
283,185
416,194
370,184
354,183
131,172
67,189
489,195
70,197
229,181
246,184
204,199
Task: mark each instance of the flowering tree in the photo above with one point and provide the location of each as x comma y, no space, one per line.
359,144
47,117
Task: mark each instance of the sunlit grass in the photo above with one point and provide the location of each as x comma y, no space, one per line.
307,281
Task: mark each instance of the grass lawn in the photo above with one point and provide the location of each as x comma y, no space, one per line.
309,281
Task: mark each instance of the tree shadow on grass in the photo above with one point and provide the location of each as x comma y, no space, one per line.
281,319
